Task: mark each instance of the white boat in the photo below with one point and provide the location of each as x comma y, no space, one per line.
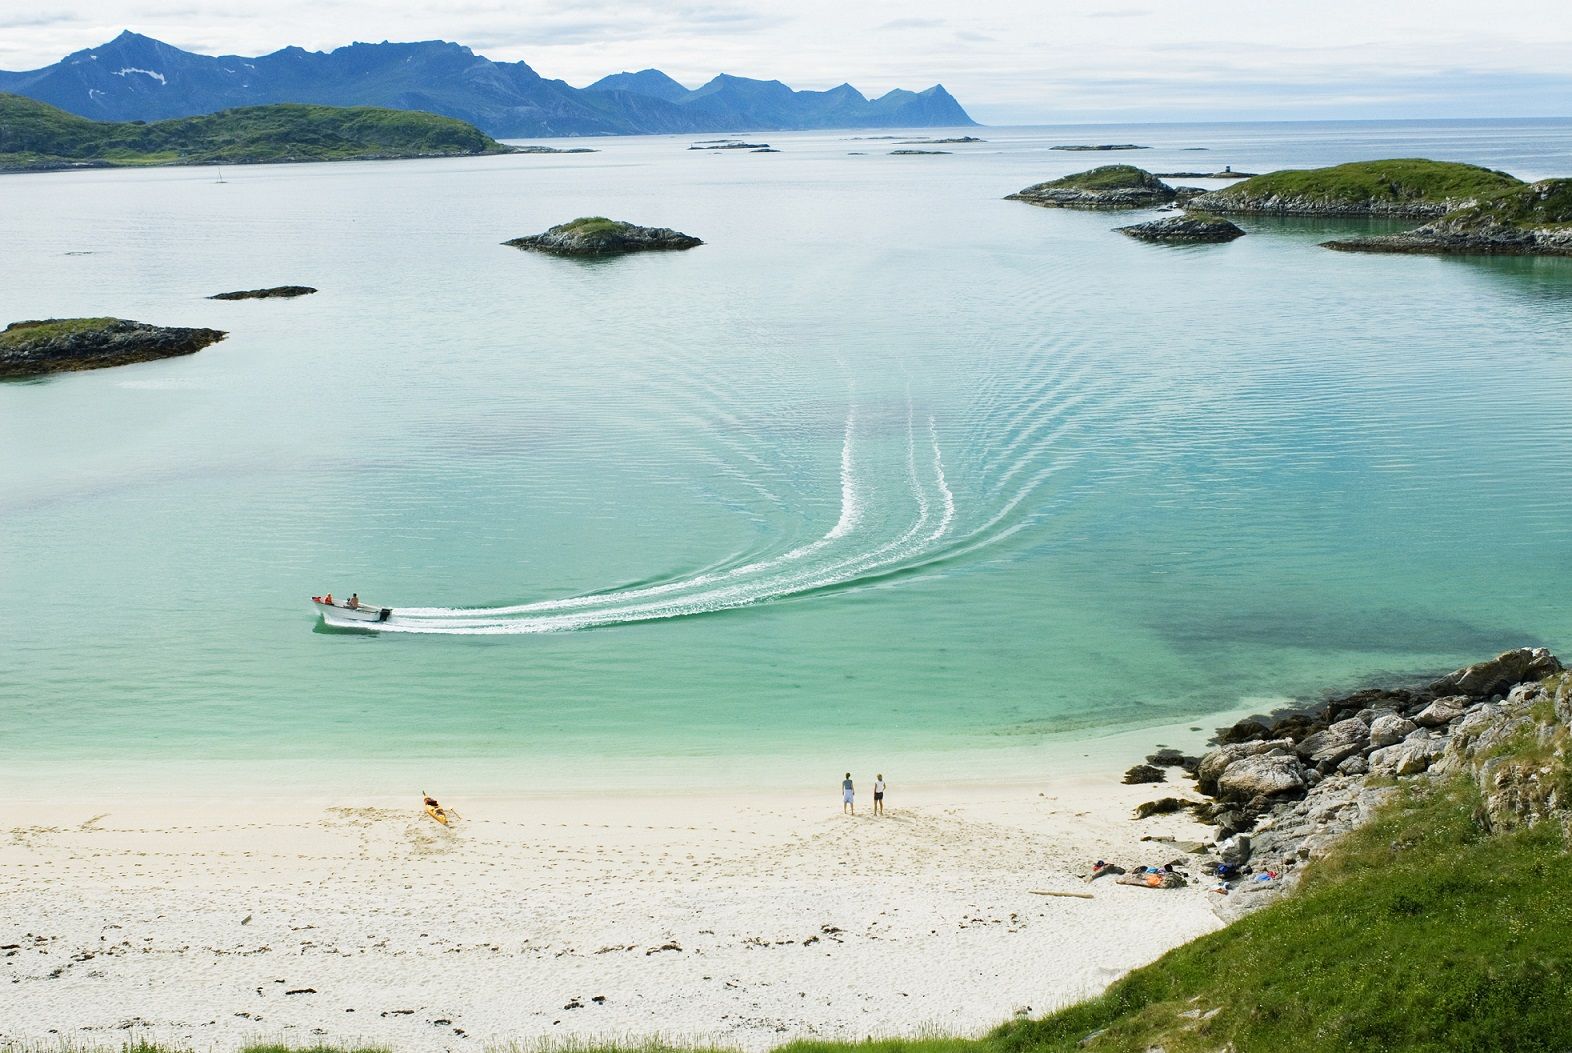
345,616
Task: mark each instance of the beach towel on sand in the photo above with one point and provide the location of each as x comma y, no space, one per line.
1162,879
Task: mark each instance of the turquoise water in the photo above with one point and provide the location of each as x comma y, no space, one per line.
890,471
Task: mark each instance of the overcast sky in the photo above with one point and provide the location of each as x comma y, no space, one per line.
1008,62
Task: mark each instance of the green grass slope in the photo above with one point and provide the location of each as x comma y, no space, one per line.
1403,185
1107,177
36,135
1543,205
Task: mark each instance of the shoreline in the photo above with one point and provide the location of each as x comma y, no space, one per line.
772,914
1082,751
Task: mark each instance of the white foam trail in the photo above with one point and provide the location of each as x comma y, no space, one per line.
850,515
709,593
944,487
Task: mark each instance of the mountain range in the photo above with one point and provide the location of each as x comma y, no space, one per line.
135,77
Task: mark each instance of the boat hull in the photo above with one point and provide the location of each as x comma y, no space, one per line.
352,618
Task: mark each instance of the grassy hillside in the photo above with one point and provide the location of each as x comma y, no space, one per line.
1108,177
1362,186
36,135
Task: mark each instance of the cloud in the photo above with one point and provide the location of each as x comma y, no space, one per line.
1120,12
20,21
914,23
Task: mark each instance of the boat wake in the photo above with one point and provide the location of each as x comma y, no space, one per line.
857,547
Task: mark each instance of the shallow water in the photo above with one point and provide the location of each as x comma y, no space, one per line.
891,472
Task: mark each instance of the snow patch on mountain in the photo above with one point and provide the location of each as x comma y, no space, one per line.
121,72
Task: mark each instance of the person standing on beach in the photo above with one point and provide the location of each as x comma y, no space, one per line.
848,796
878,794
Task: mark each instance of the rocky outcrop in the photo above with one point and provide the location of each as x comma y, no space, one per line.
1284,800
598,236
59,345
1108,187
1099,147
916,153
276,292
535,149
1533,221
1184,230
1274,773
1499,673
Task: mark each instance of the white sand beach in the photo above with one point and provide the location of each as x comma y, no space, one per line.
737,921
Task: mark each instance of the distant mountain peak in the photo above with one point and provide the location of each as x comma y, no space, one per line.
135,77
649,82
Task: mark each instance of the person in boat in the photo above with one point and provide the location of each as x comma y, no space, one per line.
353,603
328,599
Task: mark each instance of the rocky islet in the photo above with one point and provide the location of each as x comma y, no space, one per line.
1399,188
1186,229
599,236
60,345
1108,187
276,292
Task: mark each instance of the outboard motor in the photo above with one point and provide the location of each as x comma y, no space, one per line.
386,613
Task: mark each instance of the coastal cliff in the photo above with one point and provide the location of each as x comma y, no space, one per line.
1405,188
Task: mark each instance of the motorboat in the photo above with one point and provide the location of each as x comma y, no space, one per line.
345,616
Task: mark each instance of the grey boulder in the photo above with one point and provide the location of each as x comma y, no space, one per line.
1390,729
1263,775
1409,757
1326,749
1217,761
1442,711
1494,677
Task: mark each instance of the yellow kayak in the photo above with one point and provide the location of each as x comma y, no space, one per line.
438,814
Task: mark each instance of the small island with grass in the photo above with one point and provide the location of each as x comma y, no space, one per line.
1532,219
62,345
1400,188
37,137
1108,187
599,236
